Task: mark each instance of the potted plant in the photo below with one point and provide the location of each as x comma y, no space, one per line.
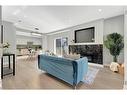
115,45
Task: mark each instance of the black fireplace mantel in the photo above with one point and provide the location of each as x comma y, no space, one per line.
94,53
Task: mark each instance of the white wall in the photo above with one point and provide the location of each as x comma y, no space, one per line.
111,25
22,40
10,35
0,21
0,50
125,49
98,24
44,43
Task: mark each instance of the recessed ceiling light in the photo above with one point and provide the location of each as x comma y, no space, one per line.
36,28
99,10
16,12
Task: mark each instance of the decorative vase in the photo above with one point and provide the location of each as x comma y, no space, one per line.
114,66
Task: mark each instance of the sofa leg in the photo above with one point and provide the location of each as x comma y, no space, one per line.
74,87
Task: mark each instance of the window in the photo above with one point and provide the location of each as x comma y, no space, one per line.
61,46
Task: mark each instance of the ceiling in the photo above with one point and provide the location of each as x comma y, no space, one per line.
52,18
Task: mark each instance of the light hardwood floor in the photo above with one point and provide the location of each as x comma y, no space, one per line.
28,76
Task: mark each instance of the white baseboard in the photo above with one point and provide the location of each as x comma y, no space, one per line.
95,64
125,85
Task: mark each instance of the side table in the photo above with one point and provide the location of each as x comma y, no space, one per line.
7,70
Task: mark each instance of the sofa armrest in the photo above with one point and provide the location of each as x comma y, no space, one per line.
39,61
82,68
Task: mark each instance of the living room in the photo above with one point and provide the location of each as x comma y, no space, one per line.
80,33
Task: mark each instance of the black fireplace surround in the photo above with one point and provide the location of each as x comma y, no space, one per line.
94,53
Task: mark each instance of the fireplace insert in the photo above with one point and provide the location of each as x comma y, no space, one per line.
94,53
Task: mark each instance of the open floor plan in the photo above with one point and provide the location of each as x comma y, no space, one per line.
63,47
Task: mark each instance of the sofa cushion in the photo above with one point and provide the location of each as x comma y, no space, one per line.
72,56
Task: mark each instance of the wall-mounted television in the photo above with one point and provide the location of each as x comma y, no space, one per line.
84,35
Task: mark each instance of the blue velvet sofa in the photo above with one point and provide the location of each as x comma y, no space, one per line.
70,71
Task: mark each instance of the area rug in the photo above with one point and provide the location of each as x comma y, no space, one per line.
91,75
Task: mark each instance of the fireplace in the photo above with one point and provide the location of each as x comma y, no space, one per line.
94,53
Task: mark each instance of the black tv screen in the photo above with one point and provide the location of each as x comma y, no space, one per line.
84,35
